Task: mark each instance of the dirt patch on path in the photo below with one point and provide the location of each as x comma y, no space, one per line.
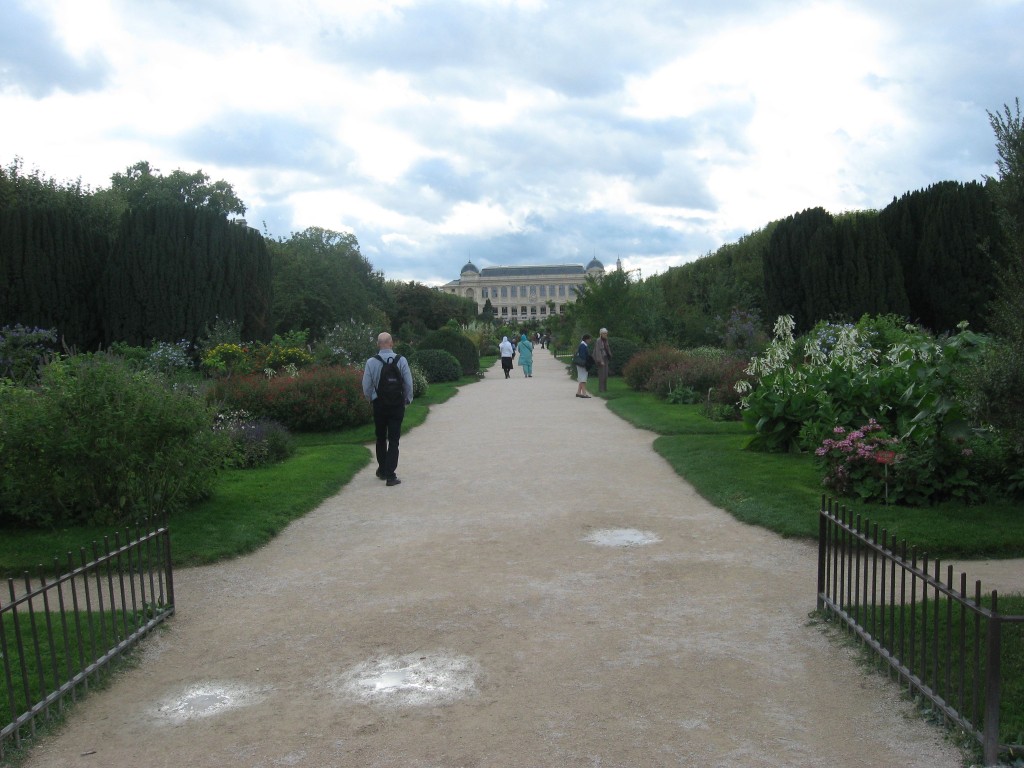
542,590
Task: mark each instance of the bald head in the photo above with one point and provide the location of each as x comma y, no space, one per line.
384,341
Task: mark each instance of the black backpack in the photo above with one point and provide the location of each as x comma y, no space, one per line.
390,384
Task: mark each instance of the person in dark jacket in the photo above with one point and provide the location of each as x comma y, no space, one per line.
582,356
387,420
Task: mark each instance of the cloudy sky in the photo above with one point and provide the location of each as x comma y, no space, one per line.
515,131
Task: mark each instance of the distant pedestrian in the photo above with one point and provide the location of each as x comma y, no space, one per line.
387,415
507,352
582,360
526,356
603,358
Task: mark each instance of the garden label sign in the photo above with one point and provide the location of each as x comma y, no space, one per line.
885,457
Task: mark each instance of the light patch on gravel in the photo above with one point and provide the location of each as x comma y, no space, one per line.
205,700
621,537
411,680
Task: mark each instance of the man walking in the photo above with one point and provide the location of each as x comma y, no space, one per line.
387,385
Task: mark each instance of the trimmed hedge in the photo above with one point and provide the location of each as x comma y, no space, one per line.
438,365
458,345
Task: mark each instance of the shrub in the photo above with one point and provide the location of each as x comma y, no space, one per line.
313,400
351,343
227,359
101,443
162,357
623,351
420,385
458,345
438,365
254,442
641,367
24,351
709,372
851,462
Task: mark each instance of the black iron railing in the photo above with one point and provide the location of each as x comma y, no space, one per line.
944,643
58,632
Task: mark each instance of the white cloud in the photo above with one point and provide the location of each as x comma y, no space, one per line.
648,130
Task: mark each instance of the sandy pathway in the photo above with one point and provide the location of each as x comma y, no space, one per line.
488,612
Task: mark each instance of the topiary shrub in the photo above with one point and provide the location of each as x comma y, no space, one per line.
454,342
100,442
438,365
314,400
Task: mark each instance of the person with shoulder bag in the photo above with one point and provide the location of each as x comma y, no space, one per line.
582,360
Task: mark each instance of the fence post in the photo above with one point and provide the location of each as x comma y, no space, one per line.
990,734
169,568
822,553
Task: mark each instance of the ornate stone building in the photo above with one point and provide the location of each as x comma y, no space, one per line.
523,293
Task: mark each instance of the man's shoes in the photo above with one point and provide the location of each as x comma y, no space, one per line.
381,475
393,481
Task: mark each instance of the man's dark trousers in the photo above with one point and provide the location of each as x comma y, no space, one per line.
387,422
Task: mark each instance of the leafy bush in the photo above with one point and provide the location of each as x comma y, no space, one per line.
994,391
709,372
639,370
912,389
99,442
438,365
420,385
162,357
851,461
24,351
459,346
227,359
254,442
351,343
623,351
313,400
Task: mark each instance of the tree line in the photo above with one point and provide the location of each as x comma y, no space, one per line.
157,258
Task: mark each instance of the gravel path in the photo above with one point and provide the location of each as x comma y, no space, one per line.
542,590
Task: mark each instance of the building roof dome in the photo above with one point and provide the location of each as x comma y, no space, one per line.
470,267
595,264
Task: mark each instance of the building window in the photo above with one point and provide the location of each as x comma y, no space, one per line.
561,290
504,310
483,293
543,290
524,310
504,291
543,310
515,311
533,310
533,291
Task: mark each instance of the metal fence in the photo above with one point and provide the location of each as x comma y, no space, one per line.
944,643
59,632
